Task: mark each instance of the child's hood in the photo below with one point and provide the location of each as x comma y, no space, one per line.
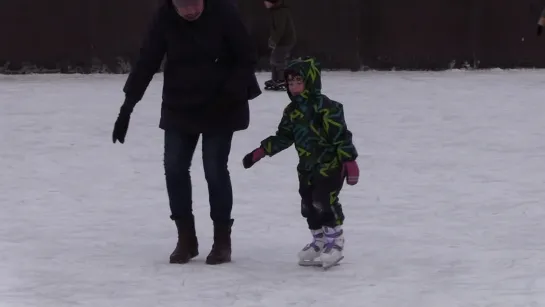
310,70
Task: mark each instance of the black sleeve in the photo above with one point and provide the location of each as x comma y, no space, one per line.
244,53
149,61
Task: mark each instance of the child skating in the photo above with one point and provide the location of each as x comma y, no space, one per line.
327,157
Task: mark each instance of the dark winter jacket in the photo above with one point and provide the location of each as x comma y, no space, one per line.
315,124
209,69
282,29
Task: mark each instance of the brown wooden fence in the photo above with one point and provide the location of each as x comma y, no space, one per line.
104,35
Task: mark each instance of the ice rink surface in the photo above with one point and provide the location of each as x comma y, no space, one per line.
449,210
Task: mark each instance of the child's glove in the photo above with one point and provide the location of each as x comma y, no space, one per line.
352,172
251,158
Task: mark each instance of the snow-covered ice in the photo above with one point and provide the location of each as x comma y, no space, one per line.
449,210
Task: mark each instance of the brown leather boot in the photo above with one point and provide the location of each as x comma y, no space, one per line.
221,249
187,246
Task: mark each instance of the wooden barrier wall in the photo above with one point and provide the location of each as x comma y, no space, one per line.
104,35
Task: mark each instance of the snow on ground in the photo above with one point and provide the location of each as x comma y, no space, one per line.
449,209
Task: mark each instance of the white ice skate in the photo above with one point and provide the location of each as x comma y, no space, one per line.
310,254
332,253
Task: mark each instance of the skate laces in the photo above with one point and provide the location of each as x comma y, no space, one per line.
316,237
332,235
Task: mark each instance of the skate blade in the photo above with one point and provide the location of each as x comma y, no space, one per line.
272,89
310,263
319,264
330,265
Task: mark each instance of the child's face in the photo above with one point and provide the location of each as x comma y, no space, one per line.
268,4
296,85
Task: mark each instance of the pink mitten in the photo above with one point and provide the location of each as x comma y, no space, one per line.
352,172
258,154
251,158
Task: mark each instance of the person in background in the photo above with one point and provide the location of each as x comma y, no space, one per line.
281,41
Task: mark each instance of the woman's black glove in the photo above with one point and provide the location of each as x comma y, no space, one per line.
122,123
